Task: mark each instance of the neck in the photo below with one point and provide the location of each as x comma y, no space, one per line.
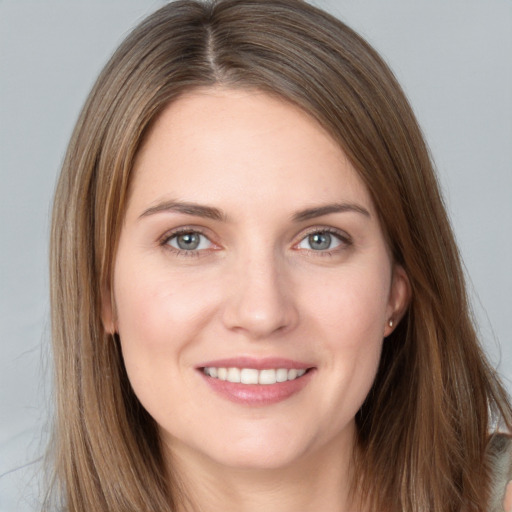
316,481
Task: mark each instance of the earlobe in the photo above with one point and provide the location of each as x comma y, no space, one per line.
399,298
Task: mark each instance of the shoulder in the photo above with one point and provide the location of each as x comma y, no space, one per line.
499,460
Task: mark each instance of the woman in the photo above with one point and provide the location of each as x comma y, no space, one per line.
257,299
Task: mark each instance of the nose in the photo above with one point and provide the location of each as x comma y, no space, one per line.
260,301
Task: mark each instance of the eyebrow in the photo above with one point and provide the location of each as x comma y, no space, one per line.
198,210
210,212
312,213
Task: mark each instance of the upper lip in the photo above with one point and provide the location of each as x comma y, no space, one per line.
266,363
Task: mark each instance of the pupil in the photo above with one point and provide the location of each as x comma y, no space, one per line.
188,241
320,241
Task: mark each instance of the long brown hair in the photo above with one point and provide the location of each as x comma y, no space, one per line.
423,429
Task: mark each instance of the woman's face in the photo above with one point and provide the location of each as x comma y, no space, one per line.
250,250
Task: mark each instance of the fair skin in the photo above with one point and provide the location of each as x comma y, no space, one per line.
279,263
507,503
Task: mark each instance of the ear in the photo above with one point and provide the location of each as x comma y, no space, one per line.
108,316
399,298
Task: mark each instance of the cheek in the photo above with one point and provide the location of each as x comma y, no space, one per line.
156,309
159,319
352,306
159,316
349,317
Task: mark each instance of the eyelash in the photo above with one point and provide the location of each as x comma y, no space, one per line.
164,241
344,239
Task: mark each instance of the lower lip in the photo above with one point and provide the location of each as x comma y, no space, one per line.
258,394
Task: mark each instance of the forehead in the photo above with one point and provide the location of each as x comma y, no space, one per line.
222,145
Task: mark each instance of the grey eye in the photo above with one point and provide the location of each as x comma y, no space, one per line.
320,241
189,241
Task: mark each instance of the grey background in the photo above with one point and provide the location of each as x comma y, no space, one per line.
454,59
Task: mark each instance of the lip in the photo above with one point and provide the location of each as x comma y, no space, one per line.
255,395
257,364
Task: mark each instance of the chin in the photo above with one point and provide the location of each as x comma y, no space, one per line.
246,448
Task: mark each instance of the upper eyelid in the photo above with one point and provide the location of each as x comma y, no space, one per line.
325,229
183,230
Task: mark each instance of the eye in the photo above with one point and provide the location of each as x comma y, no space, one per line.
188,241
323,240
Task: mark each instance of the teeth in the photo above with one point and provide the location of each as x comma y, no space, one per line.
253,376
267,377
292,374
281,375
248,376
233,375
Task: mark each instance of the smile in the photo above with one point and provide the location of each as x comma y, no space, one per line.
256,381
253,376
